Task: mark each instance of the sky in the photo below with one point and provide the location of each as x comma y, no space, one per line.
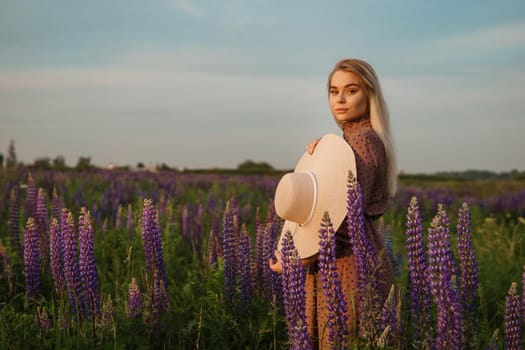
201,84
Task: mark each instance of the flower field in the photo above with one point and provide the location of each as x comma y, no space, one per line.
140,260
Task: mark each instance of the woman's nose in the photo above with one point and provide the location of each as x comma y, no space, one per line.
341,98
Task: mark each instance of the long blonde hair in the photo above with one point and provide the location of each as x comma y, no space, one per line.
379,116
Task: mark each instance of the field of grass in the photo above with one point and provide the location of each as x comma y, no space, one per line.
198,308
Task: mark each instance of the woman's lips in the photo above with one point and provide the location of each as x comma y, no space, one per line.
341,110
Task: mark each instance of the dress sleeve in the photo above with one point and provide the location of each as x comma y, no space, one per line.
371,169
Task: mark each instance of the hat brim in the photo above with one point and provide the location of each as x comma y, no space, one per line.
330,163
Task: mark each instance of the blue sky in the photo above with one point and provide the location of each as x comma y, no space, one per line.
213,83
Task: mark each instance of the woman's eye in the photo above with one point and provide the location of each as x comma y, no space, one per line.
352,91
333,92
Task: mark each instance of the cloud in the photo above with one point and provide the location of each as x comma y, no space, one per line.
189,7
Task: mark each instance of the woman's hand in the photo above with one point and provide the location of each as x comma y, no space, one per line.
276,266
311,146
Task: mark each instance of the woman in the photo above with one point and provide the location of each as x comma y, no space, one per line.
358,107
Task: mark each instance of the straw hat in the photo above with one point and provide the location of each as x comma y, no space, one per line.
318,184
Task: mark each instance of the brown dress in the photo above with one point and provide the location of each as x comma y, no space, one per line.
371,174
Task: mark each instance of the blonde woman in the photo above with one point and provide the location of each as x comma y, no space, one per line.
358,107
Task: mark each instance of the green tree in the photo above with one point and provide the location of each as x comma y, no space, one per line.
251,166
59,163
84,163
42,163
11,155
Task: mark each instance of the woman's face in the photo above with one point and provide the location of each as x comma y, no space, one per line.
347,97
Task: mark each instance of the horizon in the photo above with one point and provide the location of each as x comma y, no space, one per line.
200,84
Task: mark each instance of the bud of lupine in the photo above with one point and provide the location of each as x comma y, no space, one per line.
293,277
197,235
31,196
41,222
71,268
88,269
513,319
129,220
417,264
42,320
228,244
118,218
186,224
31,258
14,217
331,285
56,205
365,255
260,262
442,285
469,273
134,299
56,254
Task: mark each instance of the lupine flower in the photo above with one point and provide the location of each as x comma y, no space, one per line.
260,261
365,255
228,244
331,284
71,267
443,284
88,269
56,255
32,258
513,319
245,279
134,299
159,298
14,215
417,263
469,272
41,222
294,275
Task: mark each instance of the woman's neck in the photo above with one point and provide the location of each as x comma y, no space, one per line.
351,126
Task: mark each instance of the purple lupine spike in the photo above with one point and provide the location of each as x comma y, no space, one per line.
31,197
245,278
420,306
14,217
260,261
442,285
469,273
293,277
88,269
228,244
134,299
513,319
71,267
331,284
147,236
32,259
129,220
152,241
41,222
365,256
56,256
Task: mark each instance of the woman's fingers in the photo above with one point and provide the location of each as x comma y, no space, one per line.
311,146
